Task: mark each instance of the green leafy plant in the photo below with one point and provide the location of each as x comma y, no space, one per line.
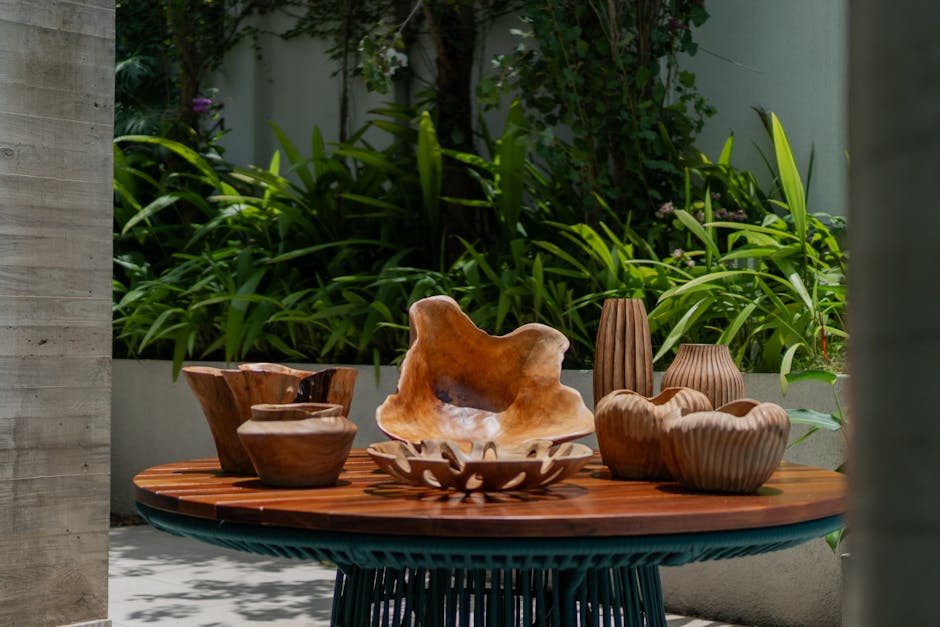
337,242
775,291
834,421
318,257
613,113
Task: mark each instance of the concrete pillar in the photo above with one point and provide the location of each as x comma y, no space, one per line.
56,119
894,121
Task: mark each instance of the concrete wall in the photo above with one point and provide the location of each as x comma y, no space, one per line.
56,118
787,57
157,421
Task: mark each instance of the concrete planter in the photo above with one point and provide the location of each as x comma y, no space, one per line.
157,420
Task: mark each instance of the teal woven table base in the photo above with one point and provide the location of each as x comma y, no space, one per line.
392,581
441,597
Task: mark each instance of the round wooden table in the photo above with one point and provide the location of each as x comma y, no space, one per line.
582,552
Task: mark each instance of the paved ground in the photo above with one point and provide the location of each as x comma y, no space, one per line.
159,579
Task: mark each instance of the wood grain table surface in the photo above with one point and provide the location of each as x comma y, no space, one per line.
590,503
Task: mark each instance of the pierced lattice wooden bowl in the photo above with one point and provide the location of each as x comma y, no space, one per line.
485,466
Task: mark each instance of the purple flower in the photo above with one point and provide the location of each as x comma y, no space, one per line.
665,210
738,215
201,105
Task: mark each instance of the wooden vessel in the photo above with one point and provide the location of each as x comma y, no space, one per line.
459,383
630,429
735,448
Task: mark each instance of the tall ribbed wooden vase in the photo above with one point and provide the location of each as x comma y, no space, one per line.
707,368
623,357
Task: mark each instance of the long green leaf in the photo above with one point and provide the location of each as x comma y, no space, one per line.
786,363
725,157
813,375
512,161
236,314
732,329
702,280
430,170
372,158
815,419
159,203
797,282
681,326
298,163
187,153
300,252
693,225
156,329
790,178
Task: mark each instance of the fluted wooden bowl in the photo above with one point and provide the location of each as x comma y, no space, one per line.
483,466
630,429
459,383
732,449
297,444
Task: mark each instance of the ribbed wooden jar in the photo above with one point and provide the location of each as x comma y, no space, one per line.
623,356
707,368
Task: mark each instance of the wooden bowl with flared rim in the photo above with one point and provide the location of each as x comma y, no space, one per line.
459,383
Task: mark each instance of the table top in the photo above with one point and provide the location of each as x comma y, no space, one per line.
589,504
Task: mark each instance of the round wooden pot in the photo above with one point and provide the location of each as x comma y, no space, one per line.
298,444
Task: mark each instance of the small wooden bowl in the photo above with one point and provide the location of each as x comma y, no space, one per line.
630,429
485,467
298,444
733,449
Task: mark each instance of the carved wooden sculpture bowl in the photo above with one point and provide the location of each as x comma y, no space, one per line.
459,383
732,449
485,467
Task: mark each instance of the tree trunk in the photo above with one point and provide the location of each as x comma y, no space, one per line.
56,126
454,32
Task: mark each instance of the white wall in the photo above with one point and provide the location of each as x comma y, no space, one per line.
787,57
291,85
